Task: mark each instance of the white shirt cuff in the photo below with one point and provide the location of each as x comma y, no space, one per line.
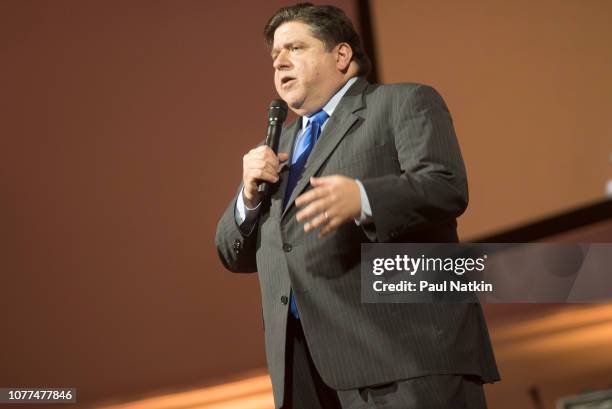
366,210
245,216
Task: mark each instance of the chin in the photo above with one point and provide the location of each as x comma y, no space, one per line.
295,103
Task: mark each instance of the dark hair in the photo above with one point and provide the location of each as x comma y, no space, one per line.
327,23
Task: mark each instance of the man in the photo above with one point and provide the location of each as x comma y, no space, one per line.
363,163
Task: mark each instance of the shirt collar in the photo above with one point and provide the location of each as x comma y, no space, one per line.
331,105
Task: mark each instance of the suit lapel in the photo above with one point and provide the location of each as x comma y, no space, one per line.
338,125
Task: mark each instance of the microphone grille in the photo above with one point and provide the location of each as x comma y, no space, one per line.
277,110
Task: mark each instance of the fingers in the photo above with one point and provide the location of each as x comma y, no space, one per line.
266,153
332,224
256,170
261,153
316,204
261,164
322,181
316,221
326,221
255,175
311,195
332,201
314,208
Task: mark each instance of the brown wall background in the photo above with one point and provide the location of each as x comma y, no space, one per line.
122,129
529,86
123,125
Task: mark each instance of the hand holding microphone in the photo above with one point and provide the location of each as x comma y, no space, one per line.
260,166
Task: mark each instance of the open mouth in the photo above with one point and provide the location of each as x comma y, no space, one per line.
287,81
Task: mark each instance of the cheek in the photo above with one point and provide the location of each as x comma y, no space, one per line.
277,85
312,74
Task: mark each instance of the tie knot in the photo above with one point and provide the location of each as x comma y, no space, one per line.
319,118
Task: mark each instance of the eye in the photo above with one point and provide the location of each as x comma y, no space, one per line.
294,48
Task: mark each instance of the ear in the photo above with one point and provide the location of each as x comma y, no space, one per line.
344,54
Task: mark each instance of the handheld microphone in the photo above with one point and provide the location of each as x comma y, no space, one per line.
277,112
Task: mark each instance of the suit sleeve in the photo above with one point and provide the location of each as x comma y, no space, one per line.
432,186
236,248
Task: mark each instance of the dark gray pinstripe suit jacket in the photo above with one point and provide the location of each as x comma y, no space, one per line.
400,142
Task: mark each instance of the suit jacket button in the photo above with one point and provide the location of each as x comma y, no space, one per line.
237,245
287,247
284,300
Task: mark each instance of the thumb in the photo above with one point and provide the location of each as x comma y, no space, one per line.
283,156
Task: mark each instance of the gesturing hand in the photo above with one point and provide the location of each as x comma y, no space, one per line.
332,201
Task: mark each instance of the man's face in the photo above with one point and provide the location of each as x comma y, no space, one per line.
305,74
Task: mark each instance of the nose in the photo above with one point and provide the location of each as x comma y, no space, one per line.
281,61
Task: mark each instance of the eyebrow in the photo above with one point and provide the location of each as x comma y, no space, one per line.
286,45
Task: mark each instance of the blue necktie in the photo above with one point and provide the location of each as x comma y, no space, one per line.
298,160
